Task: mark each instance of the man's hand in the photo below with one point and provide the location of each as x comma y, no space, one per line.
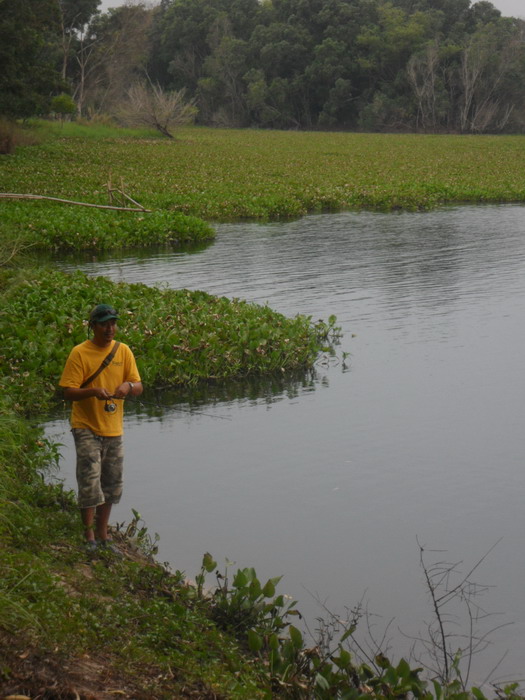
77,394
101,393
122,391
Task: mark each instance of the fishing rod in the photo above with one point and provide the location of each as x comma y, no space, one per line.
110,403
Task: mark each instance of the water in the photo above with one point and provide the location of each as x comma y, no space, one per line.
332,480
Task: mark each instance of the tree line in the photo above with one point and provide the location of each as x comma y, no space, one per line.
371,65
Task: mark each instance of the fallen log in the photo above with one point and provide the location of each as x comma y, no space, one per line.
7,195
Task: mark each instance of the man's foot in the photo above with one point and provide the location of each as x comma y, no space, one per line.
91,546
108,546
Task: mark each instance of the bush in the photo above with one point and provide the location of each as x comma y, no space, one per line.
63,105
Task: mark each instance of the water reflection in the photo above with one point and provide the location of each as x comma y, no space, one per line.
215,400
76,259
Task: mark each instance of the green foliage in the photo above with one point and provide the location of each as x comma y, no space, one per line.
282,65
63,104
341,64
29,73
238,174
54,226
136,532
259,618
245,606
178,337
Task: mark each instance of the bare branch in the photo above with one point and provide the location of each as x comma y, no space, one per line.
150,106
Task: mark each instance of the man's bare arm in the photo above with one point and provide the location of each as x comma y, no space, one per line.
77,394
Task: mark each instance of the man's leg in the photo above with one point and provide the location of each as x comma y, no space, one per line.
103,513
111,482
88,519
90,495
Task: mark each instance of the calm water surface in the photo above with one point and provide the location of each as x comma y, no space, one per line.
332,480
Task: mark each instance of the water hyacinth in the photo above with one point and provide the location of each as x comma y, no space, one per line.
54,226
231,174
179,337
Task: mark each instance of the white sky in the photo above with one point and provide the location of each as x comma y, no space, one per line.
508,8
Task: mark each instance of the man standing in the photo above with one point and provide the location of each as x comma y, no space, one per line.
98,371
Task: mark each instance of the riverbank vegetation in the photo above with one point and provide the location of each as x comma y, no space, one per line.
76,626
227,174
53,226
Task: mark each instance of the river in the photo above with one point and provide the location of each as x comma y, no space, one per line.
335,478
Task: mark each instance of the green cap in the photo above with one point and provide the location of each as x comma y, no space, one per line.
102,313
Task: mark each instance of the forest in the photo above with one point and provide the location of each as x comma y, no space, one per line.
430,66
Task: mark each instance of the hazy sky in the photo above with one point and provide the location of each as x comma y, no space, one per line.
508,8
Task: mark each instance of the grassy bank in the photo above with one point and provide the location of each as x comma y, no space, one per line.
220,174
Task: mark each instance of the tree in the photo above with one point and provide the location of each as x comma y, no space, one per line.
29,31
150,106
492,64
224,69
74,15
120,41
423,75
63,105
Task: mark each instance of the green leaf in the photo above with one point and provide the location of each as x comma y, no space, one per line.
348,633
296,637
273,642
344,659
255,641
208,563
240,580
269,589
403,669
476,692
321,682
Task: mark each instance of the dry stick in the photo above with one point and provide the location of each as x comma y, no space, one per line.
437,611
15,252
6,195
110,189
130,199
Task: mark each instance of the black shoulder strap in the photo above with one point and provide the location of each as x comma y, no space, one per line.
105,362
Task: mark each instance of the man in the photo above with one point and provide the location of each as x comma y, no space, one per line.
97,373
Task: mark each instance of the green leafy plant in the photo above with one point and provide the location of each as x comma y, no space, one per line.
63,105
234,174
179,337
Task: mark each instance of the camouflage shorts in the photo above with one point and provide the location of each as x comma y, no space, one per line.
100,463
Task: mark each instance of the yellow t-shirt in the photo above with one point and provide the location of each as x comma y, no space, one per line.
82,362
